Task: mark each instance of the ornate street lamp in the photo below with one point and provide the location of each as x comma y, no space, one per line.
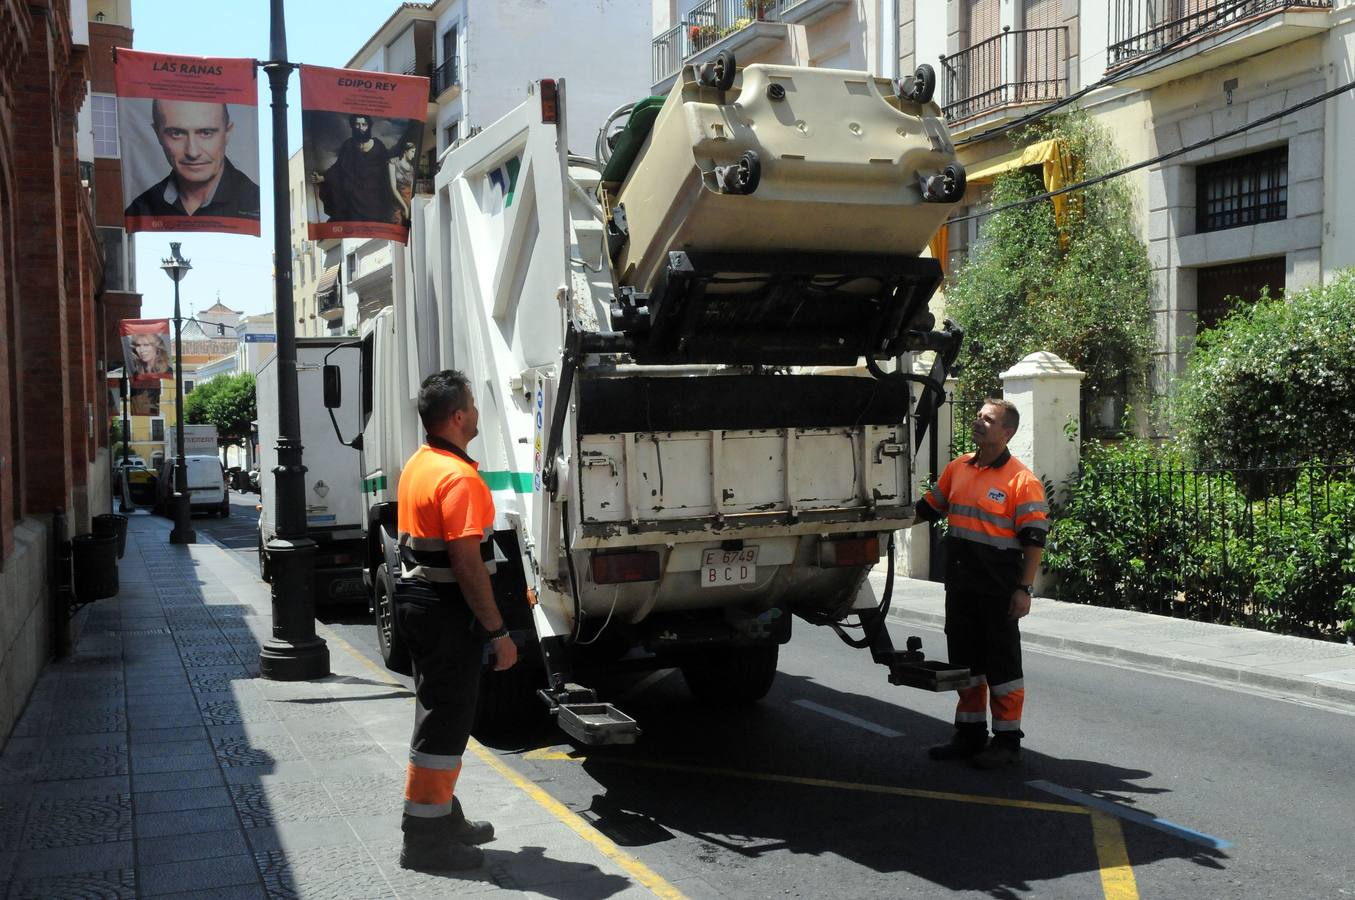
295,652
176,267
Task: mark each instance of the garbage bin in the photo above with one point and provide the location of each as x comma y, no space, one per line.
94,566
115,524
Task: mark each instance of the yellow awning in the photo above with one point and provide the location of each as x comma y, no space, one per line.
1036,154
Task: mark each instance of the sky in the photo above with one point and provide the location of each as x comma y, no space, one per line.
237,268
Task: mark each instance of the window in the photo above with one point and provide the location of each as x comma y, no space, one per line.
1244,190
115,259
157,429
452,132
187,386
1221,289
104,112
449,45
352,266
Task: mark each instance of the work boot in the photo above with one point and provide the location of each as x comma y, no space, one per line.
963,744
434,853
465,831
1001,752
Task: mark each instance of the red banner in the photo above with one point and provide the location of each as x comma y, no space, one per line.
362,139
198,118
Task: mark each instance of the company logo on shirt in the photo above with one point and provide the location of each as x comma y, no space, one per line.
996,496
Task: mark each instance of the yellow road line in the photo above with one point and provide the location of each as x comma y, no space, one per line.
1117,876
632,866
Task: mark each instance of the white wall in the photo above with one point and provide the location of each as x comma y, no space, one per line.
1338,239
1093,34
931,38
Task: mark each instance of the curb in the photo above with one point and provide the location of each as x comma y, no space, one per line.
1288,685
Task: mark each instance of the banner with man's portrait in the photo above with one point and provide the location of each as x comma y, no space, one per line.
362,136
188,127
147,362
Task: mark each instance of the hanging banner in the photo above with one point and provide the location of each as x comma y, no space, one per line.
145,354
362,134
188,127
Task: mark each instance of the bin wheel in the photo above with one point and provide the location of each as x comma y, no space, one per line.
719,72
742,177
924,85
393,652
952,183
731,676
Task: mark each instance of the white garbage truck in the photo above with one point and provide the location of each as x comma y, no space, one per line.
642,327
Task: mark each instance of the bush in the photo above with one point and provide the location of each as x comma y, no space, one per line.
1273,382
1139,530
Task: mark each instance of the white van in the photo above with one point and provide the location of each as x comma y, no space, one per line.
207,488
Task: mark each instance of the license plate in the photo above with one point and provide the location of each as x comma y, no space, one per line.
722,567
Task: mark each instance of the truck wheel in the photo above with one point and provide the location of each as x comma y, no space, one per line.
731,676
508,706
393,652
265,572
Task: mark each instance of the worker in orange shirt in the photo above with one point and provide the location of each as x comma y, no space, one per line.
445,612
997,523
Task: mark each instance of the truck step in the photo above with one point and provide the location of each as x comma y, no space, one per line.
597,723
930,675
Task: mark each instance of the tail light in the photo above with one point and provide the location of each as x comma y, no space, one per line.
550,106
853,551
620,568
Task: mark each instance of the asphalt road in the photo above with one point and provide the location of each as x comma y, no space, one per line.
823,789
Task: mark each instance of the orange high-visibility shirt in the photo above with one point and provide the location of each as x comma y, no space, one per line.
442,498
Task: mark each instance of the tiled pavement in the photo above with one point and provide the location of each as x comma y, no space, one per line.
153,762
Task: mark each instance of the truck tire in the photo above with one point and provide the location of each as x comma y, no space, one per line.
731,676
393,652
508,706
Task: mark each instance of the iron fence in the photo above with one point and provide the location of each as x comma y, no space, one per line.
1028,65
1269,547
707,22
1143,26
444,76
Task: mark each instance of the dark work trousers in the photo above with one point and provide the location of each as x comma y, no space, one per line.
446,646
981,635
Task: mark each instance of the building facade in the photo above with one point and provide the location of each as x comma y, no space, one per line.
53,359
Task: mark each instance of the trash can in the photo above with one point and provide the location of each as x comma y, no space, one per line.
115,524
94,566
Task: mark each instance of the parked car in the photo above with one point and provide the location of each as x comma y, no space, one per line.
208,490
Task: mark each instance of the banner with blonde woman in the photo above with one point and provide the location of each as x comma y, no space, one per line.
145,354
189,133
362,134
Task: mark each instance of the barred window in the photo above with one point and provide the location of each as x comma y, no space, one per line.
104,112
1244,190
157,429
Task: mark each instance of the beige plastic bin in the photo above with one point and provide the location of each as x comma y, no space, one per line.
840,161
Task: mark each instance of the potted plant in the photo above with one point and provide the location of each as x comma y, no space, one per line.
758,8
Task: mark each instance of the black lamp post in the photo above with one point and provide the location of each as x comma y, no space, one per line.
125,491
176,267
295,652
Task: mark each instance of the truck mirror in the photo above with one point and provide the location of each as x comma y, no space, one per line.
333,389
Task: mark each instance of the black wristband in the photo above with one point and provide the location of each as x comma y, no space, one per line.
1028,588
501,633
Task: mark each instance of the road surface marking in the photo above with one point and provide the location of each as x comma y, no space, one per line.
1117,876
849,718
1132,815
632,866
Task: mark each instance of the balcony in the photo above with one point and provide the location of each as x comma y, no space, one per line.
1204,34
445,77
751,27
1016,68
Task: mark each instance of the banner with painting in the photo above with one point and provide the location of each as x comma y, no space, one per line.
198,118
145,353
362,133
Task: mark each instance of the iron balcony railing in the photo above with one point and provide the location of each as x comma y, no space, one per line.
444,76
706,23
1016,67
1143,26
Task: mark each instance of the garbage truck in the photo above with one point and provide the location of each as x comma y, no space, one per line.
646,329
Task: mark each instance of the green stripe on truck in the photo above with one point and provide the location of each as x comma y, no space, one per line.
517,482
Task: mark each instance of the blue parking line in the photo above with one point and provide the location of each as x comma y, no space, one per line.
1132,815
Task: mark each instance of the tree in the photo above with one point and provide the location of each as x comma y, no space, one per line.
226,402
1272,384
1079,288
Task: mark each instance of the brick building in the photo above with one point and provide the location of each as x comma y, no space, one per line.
53,405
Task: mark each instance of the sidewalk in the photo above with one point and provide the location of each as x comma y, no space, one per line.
154,762
1290,666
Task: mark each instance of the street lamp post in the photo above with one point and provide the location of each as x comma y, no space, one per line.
176,267
124,490
295,652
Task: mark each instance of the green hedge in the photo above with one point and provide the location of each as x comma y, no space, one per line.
1141,530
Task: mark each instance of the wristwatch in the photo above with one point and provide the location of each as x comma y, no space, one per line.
501,633
1028,588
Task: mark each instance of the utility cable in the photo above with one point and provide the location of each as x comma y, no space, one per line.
1188,148
1108,80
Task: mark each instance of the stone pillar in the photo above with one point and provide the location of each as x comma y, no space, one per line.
1046,391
